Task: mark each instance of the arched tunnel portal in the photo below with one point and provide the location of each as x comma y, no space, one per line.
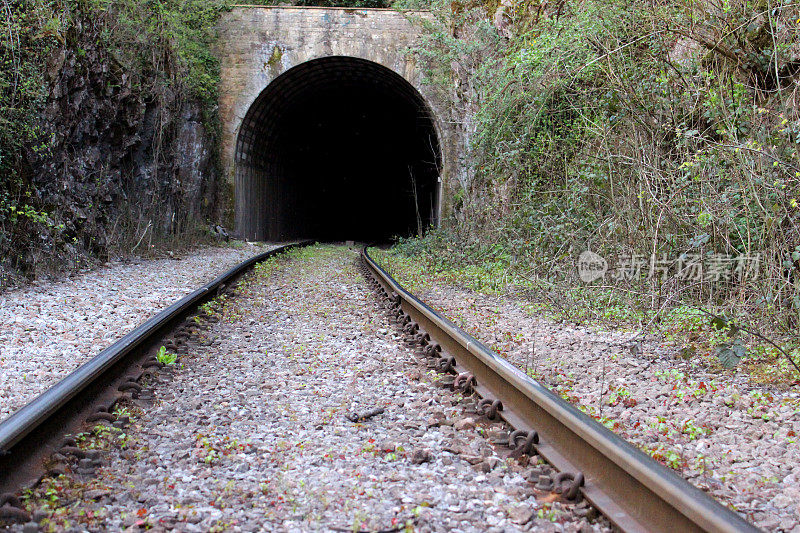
338,148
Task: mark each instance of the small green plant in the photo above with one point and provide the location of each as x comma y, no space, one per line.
666,456
546,513
693,430
121,410
621,395
165,357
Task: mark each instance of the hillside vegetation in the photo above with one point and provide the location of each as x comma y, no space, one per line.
107,128
663,136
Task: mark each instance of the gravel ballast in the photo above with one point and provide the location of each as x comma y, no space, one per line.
727,436
253,429
49,329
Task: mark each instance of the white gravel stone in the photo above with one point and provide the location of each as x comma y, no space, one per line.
49,329
725,435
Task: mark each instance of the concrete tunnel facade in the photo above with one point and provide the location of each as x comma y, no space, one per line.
327,131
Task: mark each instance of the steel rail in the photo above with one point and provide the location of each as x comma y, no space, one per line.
32,433
632,490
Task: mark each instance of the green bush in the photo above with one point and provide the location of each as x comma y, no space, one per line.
161,47
665,130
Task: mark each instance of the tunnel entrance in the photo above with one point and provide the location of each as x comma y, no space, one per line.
338,148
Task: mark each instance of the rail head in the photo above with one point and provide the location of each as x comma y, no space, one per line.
622,481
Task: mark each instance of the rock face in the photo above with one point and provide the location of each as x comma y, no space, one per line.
123,150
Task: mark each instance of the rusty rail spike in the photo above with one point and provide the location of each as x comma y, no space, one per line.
130,385
74,451
447,364
568,484
432,350
100,415
422,338
152,364
464,382
489,407
529,440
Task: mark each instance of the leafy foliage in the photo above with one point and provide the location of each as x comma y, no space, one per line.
182,30
730,354
156,52
30,30
664,129
164,357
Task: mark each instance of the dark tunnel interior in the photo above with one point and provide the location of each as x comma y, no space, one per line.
336,149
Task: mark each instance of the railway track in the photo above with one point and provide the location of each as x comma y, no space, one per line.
30,436
631,489
634,492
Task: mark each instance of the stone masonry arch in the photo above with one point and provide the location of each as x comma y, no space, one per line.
354,51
